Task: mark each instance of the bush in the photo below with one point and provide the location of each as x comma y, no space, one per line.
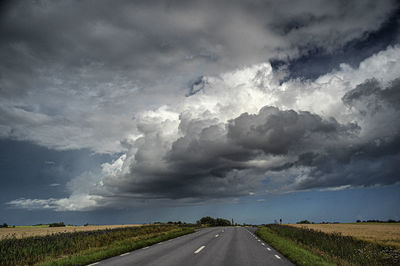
4,225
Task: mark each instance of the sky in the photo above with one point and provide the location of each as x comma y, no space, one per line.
117,112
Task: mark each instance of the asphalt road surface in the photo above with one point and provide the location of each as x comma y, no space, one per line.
209,246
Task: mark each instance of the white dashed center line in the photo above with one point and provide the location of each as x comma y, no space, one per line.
216,235
263,244
269,249
276,256
199,249
124,254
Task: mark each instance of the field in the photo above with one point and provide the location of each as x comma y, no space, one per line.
83,247
26,231
381,233
296,242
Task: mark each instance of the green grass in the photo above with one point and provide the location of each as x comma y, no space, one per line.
291,250
71,248
96,254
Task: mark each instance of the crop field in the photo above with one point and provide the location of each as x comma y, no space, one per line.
26,231
332,247
387,234
83,247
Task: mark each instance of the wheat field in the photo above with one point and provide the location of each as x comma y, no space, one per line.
382,233
20,232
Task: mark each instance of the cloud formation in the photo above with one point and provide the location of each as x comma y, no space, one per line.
187,97
74,74
243,133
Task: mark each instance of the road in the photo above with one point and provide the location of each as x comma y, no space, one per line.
208,246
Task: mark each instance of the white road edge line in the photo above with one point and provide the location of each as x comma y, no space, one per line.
92,264
276,256
124,254
263,244
199,249
145,247
269,249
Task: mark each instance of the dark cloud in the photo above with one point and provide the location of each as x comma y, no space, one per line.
318,61
371,92
144,40
371,159
214,161
277,132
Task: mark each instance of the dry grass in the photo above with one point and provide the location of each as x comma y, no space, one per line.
20,232
381,233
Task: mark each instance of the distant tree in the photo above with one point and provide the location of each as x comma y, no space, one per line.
358,221
4,225
222,222
304,222
60,224
207,220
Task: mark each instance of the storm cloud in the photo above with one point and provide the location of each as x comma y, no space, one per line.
65,64
184,93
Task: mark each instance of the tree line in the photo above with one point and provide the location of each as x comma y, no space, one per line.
213,221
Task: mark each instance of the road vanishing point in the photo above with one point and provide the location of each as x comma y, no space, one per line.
208,246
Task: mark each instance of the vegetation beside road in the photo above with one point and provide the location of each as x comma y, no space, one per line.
80,248
332,248
291,249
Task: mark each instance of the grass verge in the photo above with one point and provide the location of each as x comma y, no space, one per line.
96,254
291,250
